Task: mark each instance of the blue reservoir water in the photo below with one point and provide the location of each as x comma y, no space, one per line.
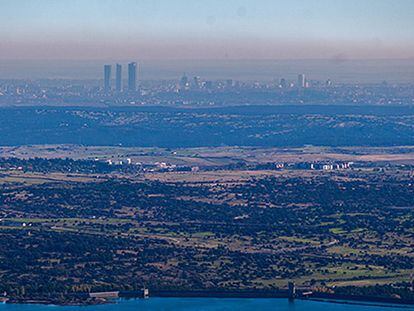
209,304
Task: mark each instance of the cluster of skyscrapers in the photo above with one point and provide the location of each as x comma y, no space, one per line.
302,83
132,77
184,83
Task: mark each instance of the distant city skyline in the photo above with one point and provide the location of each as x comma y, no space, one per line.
231,29
348,71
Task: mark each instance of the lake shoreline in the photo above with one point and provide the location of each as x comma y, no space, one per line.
282,295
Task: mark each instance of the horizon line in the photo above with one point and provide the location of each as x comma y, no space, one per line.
333,59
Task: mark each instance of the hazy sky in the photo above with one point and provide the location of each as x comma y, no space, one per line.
206,29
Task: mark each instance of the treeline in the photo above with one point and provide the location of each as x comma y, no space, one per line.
66,165
403,292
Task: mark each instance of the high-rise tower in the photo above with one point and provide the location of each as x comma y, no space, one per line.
118,78
301,81
132,77
107,77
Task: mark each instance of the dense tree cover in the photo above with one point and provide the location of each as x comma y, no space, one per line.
236,126
67,165
403,291
72,237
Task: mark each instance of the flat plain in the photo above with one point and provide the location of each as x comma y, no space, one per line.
232,219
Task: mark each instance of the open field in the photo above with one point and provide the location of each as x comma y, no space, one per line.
215,156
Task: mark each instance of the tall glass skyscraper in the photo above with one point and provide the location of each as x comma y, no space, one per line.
118,78
107,78
132,77
301,81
